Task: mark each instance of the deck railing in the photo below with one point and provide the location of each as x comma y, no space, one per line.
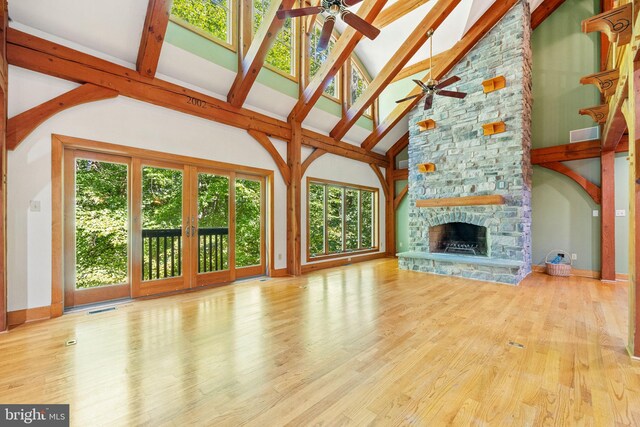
162,252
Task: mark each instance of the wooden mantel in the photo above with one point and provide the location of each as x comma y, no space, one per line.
461,201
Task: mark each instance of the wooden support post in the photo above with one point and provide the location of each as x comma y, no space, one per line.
294,201
4,14
631,110
390,211
608,242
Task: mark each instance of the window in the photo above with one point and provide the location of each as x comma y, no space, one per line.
281,56
341,219
359,83
318,57
213,17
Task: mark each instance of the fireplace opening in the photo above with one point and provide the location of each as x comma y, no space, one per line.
458,238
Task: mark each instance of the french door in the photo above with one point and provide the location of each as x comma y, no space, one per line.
137,227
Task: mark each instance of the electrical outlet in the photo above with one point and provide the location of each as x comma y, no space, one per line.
401,244
621,212
596,212
279,256
574,257
34,205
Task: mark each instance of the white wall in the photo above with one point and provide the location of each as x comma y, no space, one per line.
127,122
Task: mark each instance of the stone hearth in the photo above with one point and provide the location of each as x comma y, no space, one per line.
468,163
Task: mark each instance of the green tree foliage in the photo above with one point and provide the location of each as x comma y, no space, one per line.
248,222
101,223
281,53
212,16
316,219
317,57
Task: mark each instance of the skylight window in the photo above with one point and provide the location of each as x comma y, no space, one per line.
281,56
213,17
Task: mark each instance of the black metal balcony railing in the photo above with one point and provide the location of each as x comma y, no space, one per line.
162,252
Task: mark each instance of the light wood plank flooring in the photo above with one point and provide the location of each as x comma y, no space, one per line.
363,344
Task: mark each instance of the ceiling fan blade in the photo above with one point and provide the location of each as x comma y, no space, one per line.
349,3
421,84
452,94
293,13
407,98
448,82
327,29
360,24
428,102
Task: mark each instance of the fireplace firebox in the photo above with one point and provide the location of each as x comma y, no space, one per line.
458,238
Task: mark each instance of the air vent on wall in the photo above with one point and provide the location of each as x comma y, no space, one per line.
586,134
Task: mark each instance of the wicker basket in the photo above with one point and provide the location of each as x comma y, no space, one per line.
563,269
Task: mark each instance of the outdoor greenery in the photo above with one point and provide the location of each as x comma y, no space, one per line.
348,219
101,223
317,57
212,16
102,218
281,55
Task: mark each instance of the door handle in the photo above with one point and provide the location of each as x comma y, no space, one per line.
186,229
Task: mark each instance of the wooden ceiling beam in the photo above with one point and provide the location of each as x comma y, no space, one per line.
490,18
254,59
400,144
407,50
155,28
339,54
21,125
396,11
43,56
543,11
575,151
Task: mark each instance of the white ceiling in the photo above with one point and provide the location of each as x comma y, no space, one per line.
112,30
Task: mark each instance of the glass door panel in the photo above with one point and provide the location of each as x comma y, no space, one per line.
249,227
213,214
161,230
97,232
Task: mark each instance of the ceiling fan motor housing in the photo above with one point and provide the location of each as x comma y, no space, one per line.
333,7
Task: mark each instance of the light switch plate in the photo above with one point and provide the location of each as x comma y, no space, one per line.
596,212
34,205
621,212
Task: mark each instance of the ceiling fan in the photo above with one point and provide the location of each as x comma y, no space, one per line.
331,9
434,87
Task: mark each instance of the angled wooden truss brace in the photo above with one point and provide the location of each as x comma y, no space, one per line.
400,196
491,17
254,59
381,178
606,81
315,154
155,28
264,140
543,11
407,50
598,113
400,144
340,53
36,54
20,126
592,189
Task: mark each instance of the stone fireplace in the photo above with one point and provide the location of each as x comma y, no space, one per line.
471,217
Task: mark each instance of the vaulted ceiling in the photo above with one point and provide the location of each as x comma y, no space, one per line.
112,30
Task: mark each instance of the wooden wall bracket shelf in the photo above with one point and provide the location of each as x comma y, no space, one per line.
461,201
615,23
426,125
605,81
426,167
494,84
599,114
494,128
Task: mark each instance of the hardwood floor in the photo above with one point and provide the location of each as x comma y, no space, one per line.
363,344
